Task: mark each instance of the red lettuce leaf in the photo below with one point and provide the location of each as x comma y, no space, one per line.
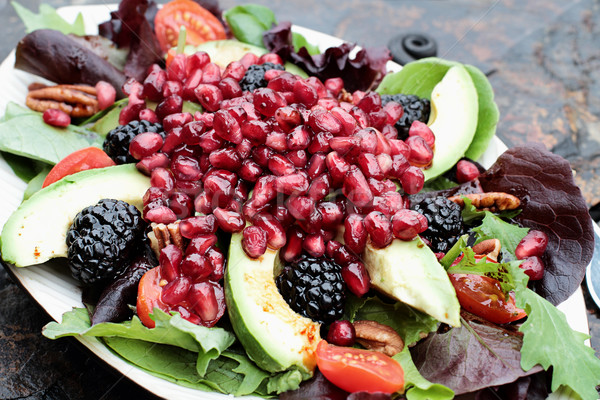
362,72
552,203
475,356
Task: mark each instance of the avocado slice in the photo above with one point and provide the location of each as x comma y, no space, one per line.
222,52
409,272
36,231
274,336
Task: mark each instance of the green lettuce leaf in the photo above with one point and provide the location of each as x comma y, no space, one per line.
48,18
573,363
415,385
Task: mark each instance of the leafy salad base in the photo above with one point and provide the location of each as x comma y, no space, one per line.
53,288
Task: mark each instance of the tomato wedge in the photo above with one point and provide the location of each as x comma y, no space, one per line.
484,297
358,370
80,160
201,26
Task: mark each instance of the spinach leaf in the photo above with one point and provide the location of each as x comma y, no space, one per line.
48,18
25,168
248,22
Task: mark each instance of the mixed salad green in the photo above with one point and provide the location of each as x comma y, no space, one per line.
487,355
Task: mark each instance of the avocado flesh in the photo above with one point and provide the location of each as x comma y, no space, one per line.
36,231
274,336
453,119
409,272
222,52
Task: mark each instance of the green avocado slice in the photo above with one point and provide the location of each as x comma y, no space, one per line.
36,231
409,272
274,336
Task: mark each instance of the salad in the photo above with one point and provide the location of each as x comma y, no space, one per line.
277,215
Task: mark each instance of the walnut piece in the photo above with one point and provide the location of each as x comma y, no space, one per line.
490,248
491,201
379,337
76,100
163,235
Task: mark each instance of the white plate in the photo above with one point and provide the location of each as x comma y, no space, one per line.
58,293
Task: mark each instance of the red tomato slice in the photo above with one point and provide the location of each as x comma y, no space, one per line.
484,297
149,290
80,160
201,26
357,370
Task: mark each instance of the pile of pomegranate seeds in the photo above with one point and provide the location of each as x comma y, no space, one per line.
286,164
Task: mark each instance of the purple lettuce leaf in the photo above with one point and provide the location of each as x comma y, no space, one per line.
475,356
552,203
362,72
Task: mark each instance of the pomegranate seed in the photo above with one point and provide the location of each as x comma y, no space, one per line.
209,96
276,238
332,247
385,163
173,87
270,57
324,121
256,131
368,140
220,186
318,85
345,144
217,260
398,147
281,212
420,154
379,228
305,93
355,233
203,299
56,117
356,189
162,178
356,277
533,244
338,167
181,204
370,102
176,290
383,144
466,171
334,85
203,203
191,188
314,245
196,61
186,168
298,158
145,144
271,74
369,166
157,160
132,88
170,105
377,119
264,190
316,165
210,141
230,88
320,187
313,223
292,184
343,256
153,84
406,224
234,70
229,221
249,59
192,131
148,115
196,266
281,81
106,94
320,143
227,127
200,244
211,74
399,165
533,266
394,112
280,165
332,214
421,129
250,209
173,141
301,207
341,333
227,158
177,68
293,248
412,180
244,148
349,124
298,138
276,141
160,215
199,225
177,120
250,170
362,119
169,260
205,117
267,101
254,241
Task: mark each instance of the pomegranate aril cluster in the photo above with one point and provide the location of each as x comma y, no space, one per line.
285,160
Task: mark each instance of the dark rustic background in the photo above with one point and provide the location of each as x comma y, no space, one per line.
542,58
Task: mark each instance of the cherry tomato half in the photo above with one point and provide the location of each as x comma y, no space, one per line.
201,26
80,160
358,370
210,301
484,297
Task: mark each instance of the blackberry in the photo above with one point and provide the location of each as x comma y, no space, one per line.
445,222
102,240
414,107
116,144
314,288
254,77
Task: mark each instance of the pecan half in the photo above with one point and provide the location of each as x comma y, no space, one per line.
490,248
75,100
490,201
163,235
379,337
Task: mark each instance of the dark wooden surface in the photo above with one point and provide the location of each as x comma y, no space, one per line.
542,58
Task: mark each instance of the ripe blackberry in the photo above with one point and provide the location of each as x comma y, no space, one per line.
414,107
314,288
102,240
445,222
116,143
254,77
